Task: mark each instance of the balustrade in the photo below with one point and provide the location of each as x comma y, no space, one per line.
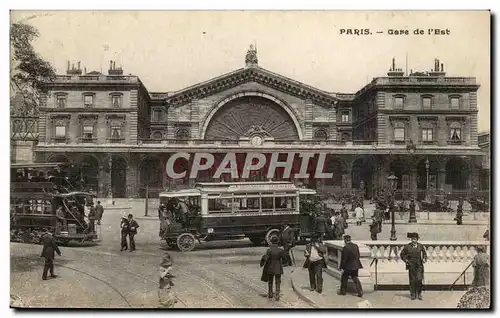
382,264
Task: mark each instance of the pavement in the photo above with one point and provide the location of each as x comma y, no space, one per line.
378,299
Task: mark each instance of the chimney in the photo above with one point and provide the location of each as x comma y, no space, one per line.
437,71
68,67
395,71
78,64
442,67
73,70
114,65
73,66
110,65
84,70
113,70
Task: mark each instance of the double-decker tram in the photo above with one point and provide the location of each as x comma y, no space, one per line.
41,198
218,211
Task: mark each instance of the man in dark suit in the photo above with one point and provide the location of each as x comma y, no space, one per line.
344,212
315,253
132,231
273,267
378,216
287,239
48,252
350,265
414,255
320,225
339,226
99,211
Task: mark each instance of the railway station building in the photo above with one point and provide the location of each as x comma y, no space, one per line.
421,127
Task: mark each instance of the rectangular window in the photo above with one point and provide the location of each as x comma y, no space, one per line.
426,103
156,115
116,101
60,131
267,203
345,117
219,205
406,182
455,103
398,102
399,134
88,100
88,132
432,182
61,101
427,134
116,134
455,134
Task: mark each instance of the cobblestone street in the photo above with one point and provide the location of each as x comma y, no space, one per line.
223,274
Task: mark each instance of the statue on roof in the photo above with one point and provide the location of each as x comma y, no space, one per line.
251,57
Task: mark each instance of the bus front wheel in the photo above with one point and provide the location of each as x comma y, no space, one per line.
272,233
186,242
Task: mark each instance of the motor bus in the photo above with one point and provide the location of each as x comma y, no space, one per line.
219,211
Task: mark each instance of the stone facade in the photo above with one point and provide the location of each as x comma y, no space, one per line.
116,128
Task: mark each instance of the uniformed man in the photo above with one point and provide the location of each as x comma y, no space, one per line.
99,211
132,231
48,252
414,255
273,268
287,239
344,212
374,228
315,253
350,264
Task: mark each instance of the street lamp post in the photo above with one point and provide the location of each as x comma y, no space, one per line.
427,179
393,181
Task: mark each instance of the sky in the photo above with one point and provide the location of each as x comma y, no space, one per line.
170,50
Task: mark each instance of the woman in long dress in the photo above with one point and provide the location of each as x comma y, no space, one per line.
481,265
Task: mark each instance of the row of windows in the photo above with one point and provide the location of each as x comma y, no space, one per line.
89,100
89,133
255,203
427,134
426,102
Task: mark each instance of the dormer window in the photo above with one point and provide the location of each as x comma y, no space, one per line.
88,99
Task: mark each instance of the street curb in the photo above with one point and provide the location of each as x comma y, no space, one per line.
301,295
155,217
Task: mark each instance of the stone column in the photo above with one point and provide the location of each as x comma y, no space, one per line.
413,180
131,177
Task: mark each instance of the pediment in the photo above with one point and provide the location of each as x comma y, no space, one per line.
252,74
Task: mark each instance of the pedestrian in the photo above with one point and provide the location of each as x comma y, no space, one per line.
460,211
320,225
374,228
315,253
481,265
132,231
414,256
165,284
379,216
287,239
350,264
273,267
92,218
359,215
344,212
48,252
99,211
124,225
339,226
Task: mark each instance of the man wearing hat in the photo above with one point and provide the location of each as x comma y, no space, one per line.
165,296
320,225
124,225
273,267
132,231
287,239
350,264
414,255
315,253
48,252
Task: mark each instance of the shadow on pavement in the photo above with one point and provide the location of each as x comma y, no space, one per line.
28,263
